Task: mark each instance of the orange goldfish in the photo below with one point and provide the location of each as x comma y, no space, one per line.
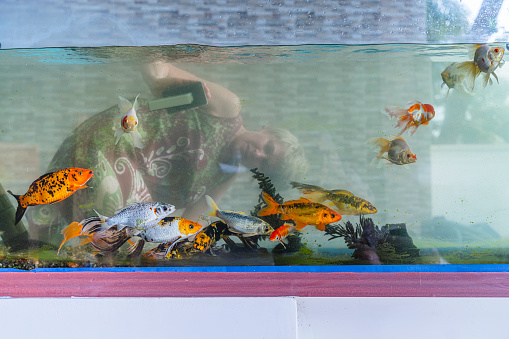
128,121
282,232
462,75
398,151
52,187
418,114
302,211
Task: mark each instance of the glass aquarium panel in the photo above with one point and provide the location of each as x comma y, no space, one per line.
192,155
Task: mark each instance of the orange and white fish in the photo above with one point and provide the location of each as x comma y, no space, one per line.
398,151
462,75
418,114
51,188
302,211
282,232
128,121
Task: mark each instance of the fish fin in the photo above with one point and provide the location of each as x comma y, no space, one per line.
300,225
117,121
486,79
329,204
136,136
118,134
73,230
495,76
212,205
86,240
320,227
313,193
393,111
20,211
104,223
136,105
124,105
168,250
303,200
130,242
136,247
383,144
271,208
343,192
470,71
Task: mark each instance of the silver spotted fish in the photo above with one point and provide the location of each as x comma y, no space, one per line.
138,216
240,223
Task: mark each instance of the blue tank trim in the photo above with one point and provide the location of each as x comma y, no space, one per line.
288,269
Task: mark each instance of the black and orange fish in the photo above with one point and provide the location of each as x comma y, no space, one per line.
52,187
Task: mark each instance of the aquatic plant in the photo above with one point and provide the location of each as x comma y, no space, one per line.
391,242
365,238
266,185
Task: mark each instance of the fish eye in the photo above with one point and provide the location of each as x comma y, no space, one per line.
496,50
332,216
80,173
191,226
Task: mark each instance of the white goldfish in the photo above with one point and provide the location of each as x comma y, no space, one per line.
128,121
462,75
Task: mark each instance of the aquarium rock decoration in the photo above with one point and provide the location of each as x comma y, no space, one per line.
369,241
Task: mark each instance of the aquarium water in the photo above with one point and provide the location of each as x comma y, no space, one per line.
449,206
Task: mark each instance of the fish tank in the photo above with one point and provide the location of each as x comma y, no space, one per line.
335,107
265,158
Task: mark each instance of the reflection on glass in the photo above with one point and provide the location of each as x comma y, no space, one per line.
253,156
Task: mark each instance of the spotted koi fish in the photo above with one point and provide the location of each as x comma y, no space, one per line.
302,211
211,234
51,188
345,202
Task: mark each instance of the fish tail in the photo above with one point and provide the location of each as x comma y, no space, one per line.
383,144
73,230
136,136
404,117
470,71
212,205
20,211
104,221
313,193
271,208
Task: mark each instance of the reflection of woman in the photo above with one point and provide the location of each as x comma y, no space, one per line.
186,155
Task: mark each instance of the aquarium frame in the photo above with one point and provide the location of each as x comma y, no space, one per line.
261,281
